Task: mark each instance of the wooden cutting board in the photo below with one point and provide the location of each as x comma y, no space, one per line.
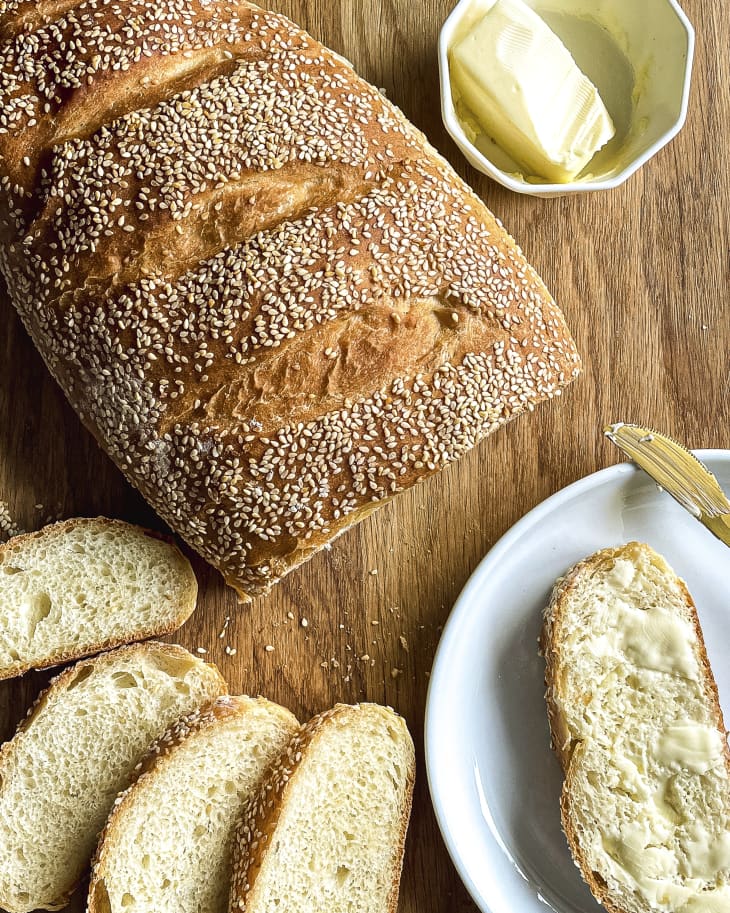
642,275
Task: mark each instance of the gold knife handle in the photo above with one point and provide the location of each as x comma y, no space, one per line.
720,526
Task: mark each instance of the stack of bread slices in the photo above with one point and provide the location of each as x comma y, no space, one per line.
136,764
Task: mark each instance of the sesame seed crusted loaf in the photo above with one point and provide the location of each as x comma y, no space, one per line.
270,299
168,843
327,829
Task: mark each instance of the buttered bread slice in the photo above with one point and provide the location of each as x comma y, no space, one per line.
168,844
638,729
77,749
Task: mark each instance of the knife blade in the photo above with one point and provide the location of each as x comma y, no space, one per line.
678,472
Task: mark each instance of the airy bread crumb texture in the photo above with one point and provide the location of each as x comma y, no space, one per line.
78,748
168,843
327,831
84,585
639,731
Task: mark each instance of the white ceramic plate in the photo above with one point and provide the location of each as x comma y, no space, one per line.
494,781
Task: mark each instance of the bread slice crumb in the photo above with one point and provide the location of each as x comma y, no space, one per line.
637,727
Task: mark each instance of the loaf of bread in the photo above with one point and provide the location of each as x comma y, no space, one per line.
637,727
77,749
167,846
327,829
85,585
273,303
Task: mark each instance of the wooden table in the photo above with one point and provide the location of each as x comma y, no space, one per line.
642,275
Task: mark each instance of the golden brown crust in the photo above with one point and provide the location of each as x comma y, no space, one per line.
61,656
261,816
272,302
568,750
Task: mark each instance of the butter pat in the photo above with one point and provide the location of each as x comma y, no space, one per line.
689,745
526,92
652,639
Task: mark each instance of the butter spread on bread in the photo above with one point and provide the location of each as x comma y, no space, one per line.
273,303
638,729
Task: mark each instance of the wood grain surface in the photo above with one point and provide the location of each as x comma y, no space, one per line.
642,275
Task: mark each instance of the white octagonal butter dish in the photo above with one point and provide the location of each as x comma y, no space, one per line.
638,55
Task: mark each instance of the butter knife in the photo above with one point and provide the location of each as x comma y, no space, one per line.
678,472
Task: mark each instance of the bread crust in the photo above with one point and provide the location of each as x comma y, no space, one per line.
259,820
154,762
61,655
568,751
271,328
62,682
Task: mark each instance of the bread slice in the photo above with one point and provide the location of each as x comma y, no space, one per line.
327,830
76,750
86,585
638,730
168,844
